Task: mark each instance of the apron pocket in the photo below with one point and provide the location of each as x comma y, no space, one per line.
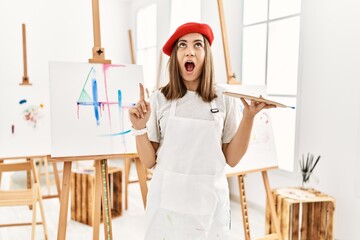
188,194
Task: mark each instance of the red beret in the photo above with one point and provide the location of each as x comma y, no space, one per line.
191,27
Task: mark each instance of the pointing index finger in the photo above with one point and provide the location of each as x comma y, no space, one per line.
142,95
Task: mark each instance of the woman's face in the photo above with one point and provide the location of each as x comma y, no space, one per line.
190,57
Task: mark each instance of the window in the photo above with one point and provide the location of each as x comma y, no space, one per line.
270,44
146,30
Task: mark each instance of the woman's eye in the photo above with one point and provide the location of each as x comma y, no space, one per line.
182,45
198,45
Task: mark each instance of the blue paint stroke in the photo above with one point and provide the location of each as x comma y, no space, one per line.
120,105
96,103
116,134
22,101
88,103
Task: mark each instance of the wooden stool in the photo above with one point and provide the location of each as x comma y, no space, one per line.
303,214
82,194
24,197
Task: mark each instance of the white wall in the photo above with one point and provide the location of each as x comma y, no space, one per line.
58,31
329,114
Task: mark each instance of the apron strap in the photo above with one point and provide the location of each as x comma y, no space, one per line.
214,108
172,108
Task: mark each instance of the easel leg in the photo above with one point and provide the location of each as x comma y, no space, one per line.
244,207
39,197
106,201
271,203
47,177
1,161
127,164
142,179
64,201
28,179
97,200
57,179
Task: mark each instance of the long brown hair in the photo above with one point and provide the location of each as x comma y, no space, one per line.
176,88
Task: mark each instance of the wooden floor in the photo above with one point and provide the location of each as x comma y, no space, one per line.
130,226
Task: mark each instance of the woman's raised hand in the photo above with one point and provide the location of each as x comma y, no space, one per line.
254,107
140,113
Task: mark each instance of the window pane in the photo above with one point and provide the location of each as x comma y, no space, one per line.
254,54
283,56
283,123
281,8
183,11
147,58
146,27
255,11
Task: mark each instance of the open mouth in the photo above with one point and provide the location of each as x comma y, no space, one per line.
189,66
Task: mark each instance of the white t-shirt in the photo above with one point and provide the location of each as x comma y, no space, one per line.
192,106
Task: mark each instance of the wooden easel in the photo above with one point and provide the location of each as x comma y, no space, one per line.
131,47
244,208
25,78
243,203
240,176
100,162
101,187
230,75
97,51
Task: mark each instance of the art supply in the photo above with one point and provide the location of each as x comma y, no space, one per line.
307,167
12,129
257,99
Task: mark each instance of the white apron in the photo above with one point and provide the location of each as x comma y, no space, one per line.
188,196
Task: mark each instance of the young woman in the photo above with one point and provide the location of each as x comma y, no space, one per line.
188,133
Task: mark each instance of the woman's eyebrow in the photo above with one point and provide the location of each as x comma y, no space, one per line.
196,40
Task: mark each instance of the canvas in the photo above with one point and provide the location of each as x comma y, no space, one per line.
24,120
89,108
